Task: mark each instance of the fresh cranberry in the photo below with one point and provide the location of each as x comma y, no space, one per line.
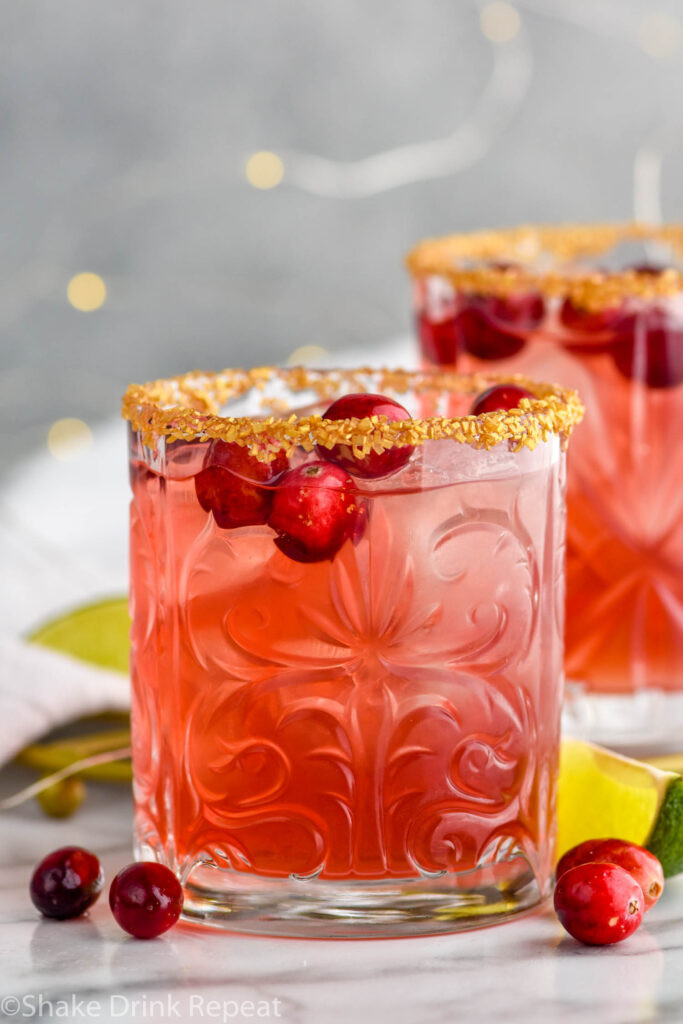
599,903
584,321
650,269
500,396
493,327
146,899
235,486
315,509
640,863
481,339
652,350
66,882
440,340
374,464
141,476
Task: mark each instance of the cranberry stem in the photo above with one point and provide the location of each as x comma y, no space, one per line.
29,792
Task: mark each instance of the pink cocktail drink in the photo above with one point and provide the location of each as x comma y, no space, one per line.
539,302
348,732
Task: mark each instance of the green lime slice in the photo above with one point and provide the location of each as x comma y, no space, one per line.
96,633
604,795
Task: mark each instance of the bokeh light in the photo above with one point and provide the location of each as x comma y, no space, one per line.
660,34
68,438
86,292
264,169
500,22
307,355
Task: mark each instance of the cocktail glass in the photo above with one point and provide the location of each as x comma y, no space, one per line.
359,739
599,309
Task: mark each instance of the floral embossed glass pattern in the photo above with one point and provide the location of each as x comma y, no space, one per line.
361,740
599,309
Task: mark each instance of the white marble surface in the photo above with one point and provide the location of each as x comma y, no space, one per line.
525,971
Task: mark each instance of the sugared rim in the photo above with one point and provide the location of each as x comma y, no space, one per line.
187,408
468,261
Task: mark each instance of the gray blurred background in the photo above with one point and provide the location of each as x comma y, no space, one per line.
127,140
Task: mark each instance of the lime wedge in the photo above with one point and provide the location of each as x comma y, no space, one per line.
602,794
96,633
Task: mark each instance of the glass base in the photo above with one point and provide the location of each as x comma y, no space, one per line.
639,724
309,908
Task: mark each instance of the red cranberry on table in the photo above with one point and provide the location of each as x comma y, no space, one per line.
599,904
374,464
315,510
500,396
235,486
66,882
146,899
639,862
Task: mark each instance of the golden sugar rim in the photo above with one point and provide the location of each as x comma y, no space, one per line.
187,408
455,257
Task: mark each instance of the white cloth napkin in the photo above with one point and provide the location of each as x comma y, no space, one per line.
41,689
63,543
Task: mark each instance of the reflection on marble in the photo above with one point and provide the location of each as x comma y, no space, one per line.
527,971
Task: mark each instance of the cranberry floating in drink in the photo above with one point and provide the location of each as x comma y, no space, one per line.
440,338
500,396
495,327
617,336
315,510
346,683
371,464
234,485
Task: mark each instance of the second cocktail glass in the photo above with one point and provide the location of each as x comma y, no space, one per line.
599,309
